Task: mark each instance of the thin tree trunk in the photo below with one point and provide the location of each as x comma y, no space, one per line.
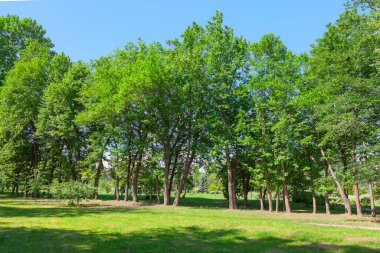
357,199
13,189
269,194
277,199
343,157
262,207
174,168
332,173
286,195
314,202
264,193
133,165
157,190
26,191
150,189
182,182
231,181
60,174
167,161
327,206
356,185
128,177
136,176
372,199
97,178
117,190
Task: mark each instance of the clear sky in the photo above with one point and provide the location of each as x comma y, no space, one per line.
87,29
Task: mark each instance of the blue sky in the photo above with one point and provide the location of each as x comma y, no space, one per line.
87,29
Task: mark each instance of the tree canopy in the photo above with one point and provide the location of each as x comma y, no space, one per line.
149,117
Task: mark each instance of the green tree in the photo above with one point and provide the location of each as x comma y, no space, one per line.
14,34
226,59
20,99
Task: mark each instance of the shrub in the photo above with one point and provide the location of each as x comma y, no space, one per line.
73,191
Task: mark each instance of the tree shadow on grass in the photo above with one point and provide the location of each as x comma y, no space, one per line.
175,239
7,211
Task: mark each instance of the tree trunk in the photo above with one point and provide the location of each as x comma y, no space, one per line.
286,195
269,194
339,186
26,190
97,178
172,173
17,193
157,190
372,199
117,190
343,157
60,173
277,199
135,177
314,202
327,206
128,177
357,198
150,189
327,203
13,189
167,161
262,207
182,182
356,185
231,181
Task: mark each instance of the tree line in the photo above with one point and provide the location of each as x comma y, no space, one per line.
149,115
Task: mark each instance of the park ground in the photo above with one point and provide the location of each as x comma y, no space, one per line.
203,224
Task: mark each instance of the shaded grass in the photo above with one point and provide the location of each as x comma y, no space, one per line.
103,226
188,239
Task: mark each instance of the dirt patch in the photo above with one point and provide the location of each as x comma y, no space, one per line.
343,226
361,239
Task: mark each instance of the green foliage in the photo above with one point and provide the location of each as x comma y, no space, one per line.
14,36
306,197
73,191
209,110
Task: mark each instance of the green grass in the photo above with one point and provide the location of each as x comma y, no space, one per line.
202,225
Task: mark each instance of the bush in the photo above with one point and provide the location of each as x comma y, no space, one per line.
73,191
365,200
105,186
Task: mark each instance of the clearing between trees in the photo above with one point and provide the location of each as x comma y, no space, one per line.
203,224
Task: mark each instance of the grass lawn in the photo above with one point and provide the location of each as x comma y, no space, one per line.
202,225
